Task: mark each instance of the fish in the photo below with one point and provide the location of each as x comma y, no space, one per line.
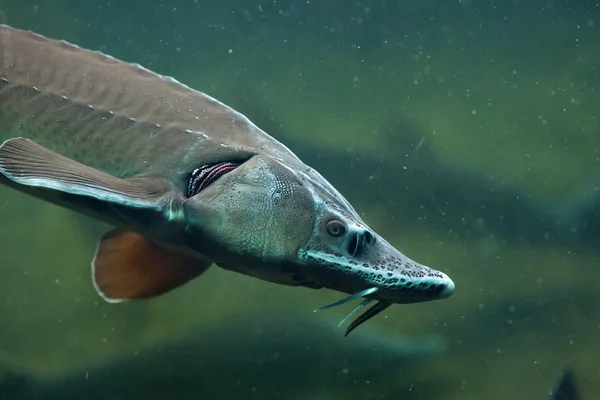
262,355
565,387
185,181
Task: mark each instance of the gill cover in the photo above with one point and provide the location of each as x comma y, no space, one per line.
253,220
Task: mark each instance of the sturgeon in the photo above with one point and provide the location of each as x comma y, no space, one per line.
186,182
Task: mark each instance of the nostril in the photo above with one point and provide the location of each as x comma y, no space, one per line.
369,237
353,244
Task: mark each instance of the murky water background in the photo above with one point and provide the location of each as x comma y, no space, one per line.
466,132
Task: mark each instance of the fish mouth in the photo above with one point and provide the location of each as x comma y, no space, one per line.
202,177
367,315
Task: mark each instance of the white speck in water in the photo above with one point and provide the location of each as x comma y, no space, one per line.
230,51
473,112
512,308
419,145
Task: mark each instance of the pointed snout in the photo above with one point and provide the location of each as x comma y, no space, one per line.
414,283
403,280
448,286
376,265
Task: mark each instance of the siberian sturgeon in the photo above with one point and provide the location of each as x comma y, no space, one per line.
186,181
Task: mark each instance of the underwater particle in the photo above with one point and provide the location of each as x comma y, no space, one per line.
230,51
473,112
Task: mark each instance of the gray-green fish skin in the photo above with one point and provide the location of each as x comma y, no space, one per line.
117,117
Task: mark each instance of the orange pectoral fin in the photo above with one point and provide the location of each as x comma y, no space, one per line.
128,266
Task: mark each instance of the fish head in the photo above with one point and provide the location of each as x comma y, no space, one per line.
291,226
346,255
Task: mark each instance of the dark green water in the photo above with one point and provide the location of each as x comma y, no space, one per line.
466,132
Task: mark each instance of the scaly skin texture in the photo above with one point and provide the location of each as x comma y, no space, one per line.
115,116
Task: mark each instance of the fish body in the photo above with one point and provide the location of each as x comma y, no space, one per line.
117,117
186,180
565,387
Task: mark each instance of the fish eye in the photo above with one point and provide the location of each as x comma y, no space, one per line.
336,228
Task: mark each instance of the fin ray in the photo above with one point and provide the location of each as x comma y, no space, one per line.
31,168
128,266
28,163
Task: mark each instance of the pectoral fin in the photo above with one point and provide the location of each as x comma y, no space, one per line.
33,169
129,266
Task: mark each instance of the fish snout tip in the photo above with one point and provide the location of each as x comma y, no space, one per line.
447,286
431,285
